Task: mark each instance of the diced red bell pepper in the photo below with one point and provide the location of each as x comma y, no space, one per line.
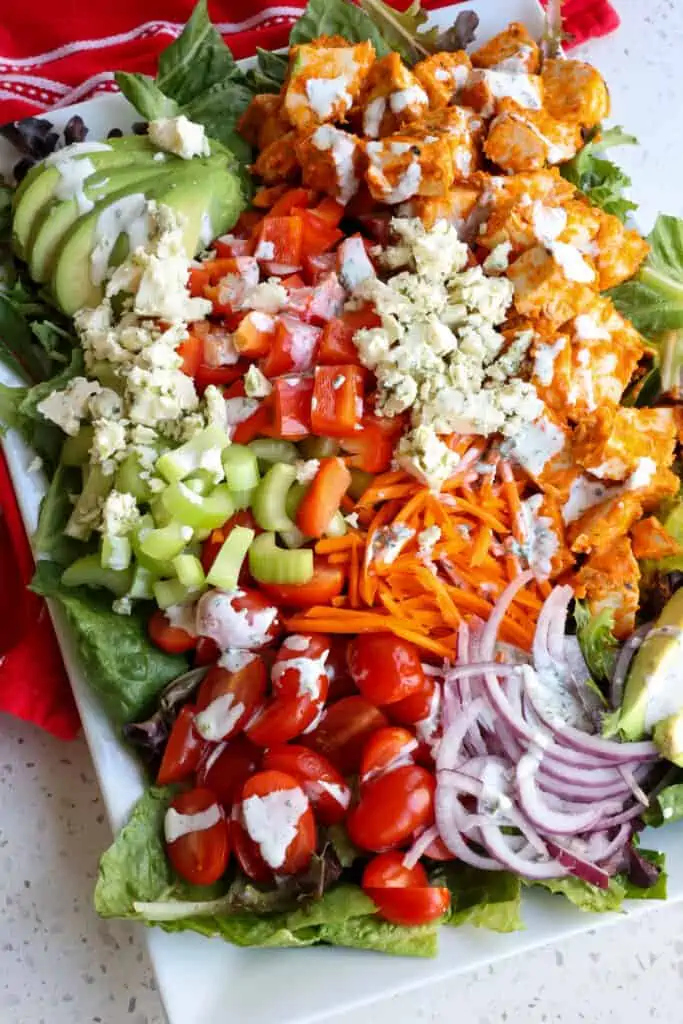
246,223
260,424
254,335
319,304
293,282
220,376
198,281
316,267
319,234
279,239
330,210
293,347
218,348
292,407
191,351
231,282
337,406
336,345
357,319
228,246
323,497
295,199
372,447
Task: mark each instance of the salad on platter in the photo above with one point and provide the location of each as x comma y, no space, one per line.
359,398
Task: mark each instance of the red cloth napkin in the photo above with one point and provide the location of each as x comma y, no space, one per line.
63,55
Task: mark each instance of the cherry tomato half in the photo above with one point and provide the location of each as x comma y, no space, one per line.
341,683
307,676
343,731
206,653
417,707
200,856
392,807
183,749
228,699
387,870
169,638
403,895
281,720
327,582
244,619
225,768
386,749
324,786
266,795
385,668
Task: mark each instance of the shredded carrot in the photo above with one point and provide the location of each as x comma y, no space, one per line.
354,577
481,545
330,545
340,557
412,507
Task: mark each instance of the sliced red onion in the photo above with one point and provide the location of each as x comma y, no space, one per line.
420,847
542,815
632,784
498,846
577,866
487,645
449,754
623,663
447,810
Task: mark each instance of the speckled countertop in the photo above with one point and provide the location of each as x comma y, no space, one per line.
59,964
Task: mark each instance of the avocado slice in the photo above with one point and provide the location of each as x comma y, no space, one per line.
668,737
205,192
654,688
38,187
55,219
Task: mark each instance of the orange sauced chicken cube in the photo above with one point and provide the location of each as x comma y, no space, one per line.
611,442
513,48
403,166
651,539
455,206
391,98
602,524
543,450
609,580
525,140
661,483
524,222
331,161
589,363
555,285
546,185
461,128
324,81
620,251
442,76
491,90
278,162
263,121
574,91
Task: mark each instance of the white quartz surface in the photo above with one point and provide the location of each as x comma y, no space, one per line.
59,964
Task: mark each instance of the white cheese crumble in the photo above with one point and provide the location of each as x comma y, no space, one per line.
306,470
69,407
180,136
256,384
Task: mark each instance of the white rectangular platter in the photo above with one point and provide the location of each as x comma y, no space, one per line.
205,981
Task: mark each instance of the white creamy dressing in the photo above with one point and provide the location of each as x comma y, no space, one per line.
219,718
75,150
218,619
127,216
71,185
342,794
585,493
407,185
264,250
343,151
427,728
325,93
272,821
177,825
205,229
235,660
587,328
523,89
535,444
182,616
311,674
413,96
573,264
544,360
517,62
295,642
541,542
372,116
548,222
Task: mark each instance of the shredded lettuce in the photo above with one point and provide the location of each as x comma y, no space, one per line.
653,299
598,178
666,807
484,899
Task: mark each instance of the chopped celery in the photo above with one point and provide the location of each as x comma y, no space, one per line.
225,571
294,496
155,566
200,482
241,468
129,480
243,499
142,584
97,486
76,450
206,512
337,525
165,542
201,452
170,592
162,517
189,570
360,481
270,497
293,538
116,552
88,572
318,447
269,450
270,564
